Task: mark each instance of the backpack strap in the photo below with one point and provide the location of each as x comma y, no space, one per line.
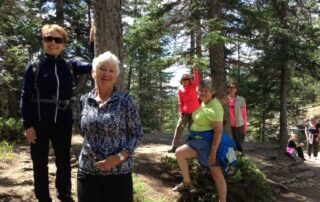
35,70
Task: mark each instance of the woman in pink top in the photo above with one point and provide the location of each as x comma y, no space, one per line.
188,103
237,115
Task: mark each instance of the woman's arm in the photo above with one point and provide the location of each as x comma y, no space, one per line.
134,137
81,66
180,103
134,127
26,96
306,132
196,77
244,117
217,128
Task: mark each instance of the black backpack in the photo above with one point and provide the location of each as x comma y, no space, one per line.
79,81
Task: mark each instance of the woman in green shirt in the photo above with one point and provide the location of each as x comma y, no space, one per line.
203,142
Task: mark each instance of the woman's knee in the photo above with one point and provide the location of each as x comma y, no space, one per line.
185,152
216,174
179,153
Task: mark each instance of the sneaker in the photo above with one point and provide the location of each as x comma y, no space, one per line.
183,186
172,150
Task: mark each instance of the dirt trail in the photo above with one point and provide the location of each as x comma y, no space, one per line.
16,177
16,182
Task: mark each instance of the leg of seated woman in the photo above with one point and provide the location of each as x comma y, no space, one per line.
182,154
300,152
221,185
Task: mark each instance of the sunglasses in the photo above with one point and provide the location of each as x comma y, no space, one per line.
57,40
186,79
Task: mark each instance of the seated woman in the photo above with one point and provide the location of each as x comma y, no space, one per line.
204,139
293,146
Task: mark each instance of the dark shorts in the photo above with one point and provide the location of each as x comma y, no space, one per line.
203,148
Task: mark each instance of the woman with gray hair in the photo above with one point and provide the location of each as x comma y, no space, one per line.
110,124
207,142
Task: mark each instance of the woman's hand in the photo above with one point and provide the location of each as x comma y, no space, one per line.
30,135
212,158
194,68
108,163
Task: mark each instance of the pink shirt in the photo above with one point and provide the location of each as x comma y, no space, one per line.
187,94
232,112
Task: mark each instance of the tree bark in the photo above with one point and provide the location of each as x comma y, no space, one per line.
59,12
283,63
217,62
108,35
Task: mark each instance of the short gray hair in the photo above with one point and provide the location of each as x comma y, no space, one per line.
106,57
206,83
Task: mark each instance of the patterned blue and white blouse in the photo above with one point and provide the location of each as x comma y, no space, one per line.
108,130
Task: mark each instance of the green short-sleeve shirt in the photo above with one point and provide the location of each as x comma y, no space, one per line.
206,114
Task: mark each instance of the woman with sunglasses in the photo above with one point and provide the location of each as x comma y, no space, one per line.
47,114
188,103
237,115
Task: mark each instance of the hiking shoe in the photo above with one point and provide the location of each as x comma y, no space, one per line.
183,186
172,150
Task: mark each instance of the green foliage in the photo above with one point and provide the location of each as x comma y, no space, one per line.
146,60
248,177
6,151
246,183
10,129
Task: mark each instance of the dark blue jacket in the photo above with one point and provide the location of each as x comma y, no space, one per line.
54,81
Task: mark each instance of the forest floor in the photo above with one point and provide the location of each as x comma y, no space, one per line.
291,181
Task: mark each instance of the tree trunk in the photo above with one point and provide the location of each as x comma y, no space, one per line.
217,63
129,79
283,65
108,35
59,12
192,43
161,110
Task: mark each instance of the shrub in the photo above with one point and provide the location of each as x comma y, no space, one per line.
10,129
247,183
6,151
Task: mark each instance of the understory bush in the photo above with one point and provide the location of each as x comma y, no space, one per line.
10,129
246,183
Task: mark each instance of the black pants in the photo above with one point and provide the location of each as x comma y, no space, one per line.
300,152
60,136
238,137
314,146
98,188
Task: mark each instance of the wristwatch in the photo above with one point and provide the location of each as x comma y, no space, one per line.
121,157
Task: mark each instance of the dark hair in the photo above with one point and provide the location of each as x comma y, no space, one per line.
230,83
233,83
